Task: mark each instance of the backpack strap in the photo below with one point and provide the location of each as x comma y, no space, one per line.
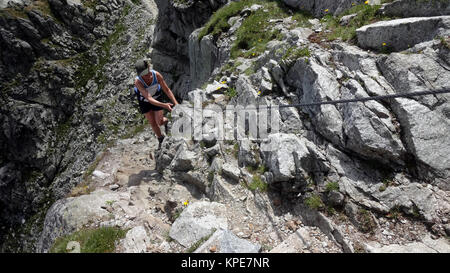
142,81
155,80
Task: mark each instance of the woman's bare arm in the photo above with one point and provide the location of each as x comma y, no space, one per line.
166,88
144,93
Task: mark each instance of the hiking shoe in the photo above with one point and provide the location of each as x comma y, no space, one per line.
160,140
166,128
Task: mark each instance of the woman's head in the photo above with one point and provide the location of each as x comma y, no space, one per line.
142,67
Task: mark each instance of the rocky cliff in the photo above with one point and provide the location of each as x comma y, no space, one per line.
367,176
66,68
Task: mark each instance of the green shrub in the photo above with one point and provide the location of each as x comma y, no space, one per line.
231,92
332,186
258,184
314,202
211,175
256,30
366,222
101,240
365,14
294,53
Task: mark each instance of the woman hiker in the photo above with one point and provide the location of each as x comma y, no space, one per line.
148,85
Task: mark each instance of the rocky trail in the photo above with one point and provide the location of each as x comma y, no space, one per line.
369,176
164,214
127,191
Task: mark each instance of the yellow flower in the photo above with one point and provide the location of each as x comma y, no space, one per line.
367,2
384,44
253,54
326,10
259,92
224,82
186,203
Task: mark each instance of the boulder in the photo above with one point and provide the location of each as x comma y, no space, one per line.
231,171
416,8
368,127
197,221
203,57
314,83
69,215
424,120
427,245
224,241
286,156
247,154
401,34
136,240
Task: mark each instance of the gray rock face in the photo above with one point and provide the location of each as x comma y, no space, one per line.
204,58
171,50
316,83
400,34
224,241
4,3
425,131
198,220
136,240
416,8
288,157
69,215
427,245
231,171
368,128
51,104
320,8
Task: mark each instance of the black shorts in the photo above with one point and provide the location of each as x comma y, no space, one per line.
147,106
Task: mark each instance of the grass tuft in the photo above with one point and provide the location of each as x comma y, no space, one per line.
101,240
314,202
256,29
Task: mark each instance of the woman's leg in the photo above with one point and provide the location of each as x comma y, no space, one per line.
159,118
151,117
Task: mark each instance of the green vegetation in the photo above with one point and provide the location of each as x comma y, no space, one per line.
257,184
365,14
167,236
261,169
294,53
394,213
219,20
386,183
90,3
200,242
101,240
358,247
136,130
332,186
210,178
331,211
366,222
445,42
232,67
256,29
314,202
110,202
236,150
231,92
88,69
